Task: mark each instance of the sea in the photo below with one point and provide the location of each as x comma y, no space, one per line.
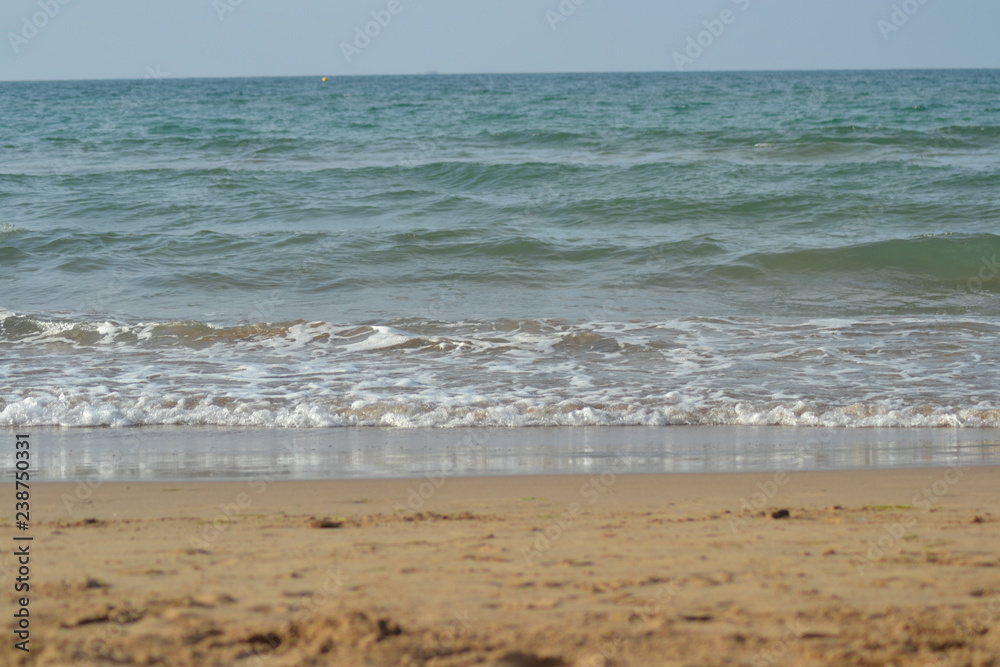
776,249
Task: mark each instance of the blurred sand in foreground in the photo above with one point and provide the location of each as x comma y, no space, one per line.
867,568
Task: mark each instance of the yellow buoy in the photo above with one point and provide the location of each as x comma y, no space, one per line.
326,78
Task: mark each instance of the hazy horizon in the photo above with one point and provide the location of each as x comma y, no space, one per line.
419,74
50,40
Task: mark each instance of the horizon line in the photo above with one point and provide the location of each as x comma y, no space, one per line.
434,73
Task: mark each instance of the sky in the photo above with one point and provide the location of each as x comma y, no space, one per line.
114,39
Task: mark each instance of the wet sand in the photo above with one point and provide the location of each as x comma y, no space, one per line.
866,567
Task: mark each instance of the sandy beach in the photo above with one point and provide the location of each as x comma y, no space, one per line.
859,567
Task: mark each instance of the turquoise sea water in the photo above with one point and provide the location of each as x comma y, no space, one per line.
726,248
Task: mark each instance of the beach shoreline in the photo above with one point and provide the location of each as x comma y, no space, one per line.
867,566
214,453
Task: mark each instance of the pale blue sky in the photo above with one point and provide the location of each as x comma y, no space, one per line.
97,39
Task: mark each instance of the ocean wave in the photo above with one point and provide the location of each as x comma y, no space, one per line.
868,372
540,137
952,258
117,411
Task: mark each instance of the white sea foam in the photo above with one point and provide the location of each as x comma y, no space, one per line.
148,410
861,373
380,339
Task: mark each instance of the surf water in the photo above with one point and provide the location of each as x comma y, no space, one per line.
519,250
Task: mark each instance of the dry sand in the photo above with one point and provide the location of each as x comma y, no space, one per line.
869,568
